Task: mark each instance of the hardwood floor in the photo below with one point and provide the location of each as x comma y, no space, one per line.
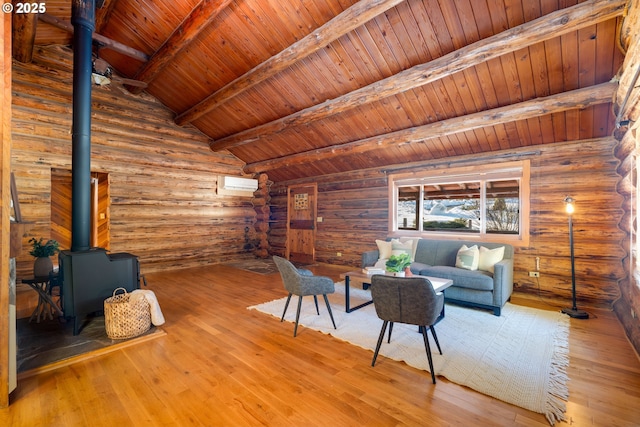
223,365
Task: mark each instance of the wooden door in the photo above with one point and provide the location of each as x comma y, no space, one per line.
61,208
301,223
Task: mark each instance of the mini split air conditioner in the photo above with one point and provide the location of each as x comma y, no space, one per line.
238,184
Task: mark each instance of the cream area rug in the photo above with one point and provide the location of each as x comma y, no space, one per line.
520,357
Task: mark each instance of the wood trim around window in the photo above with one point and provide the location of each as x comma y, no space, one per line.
521,240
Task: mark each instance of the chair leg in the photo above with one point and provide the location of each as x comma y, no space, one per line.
428,349
315,298
285,306
390,329
435,337
326,300
295,329
375,354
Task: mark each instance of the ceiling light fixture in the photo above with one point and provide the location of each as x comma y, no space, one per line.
101,73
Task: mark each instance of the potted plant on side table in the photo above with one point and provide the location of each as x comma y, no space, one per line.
397,264
43,265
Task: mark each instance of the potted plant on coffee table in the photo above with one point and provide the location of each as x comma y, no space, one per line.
396,264
43,265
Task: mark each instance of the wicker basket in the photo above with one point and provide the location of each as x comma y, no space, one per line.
124,318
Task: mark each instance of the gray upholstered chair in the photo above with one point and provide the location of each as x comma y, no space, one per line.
410,300
302,282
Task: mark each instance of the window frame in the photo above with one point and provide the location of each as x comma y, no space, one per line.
483,173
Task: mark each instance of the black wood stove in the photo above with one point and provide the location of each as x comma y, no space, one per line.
89,277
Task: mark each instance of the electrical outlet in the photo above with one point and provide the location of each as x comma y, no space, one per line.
534,274
339,254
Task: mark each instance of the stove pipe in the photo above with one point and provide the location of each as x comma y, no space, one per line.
83,20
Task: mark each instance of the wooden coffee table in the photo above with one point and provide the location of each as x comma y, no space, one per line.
364,280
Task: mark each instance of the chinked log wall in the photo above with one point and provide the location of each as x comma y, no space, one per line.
164,206
355,211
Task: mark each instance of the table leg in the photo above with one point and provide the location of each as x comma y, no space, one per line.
39,310
45,306
441,316
35,313
48,301
347,304
346,294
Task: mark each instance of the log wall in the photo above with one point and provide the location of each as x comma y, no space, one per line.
162,178
355,211
627,107
627,308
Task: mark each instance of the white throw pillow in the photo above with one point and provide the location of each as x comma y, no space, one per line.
414,241
468,258
381,263
384,249
398,247
489,257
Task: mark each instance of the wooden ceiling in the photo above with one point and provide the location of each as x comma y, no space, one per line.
300,88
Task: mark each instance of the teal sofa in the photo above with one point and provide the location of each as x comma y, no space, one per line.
476,288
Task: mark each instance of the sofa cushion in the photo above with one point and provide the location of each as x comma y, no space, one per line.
480,280
417,267
427,250
447,252
468,258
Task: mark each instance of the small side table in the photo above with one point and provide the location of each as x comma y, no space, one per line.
46,305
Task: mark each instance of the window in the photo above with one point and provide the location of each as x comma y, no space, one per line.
470,201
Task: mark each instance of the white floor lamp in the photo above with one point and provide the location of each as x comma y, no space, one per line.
573,311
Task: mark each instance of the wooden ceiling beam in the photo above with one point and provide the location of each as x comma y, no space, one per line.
347,21
544,28
199,18
24,30
104,41
572,100
103,13
23,35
